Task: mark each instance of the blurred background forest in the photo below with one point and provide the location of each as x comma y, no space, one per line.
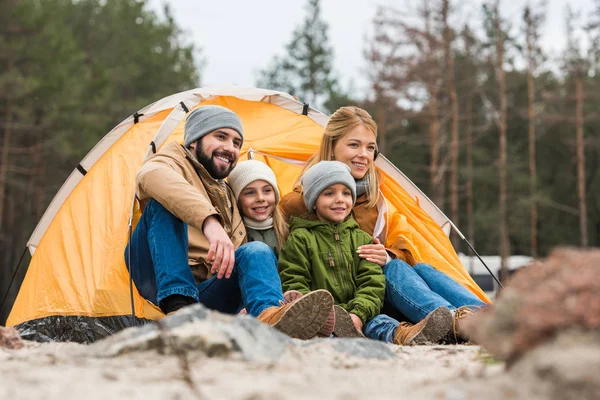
502,137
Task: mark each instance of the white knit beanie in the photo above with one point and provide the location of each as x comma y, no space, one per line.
249,171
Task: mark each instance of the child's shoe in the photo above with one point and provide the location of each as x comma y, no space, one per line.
344,326
430,330
327,328
303,317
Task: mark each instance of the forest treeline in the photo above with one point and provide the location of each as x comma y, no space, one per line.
503,137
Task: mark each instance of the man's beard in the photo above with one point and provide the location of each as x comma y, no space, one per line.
208,162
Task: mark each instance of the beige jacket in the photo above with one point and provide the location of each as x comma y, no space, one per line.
182,185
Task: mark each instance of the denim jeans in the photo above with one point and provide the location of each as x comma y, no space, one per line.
416,291
382,327
159,267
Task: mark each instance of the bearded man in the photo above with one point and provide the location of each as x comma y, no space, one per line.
189,245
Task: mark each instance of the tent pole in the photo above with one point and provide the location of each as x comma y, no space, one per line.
129,232
12,279
474,251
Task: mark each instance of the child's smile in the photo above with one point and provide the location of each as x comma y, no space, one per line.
334,203
257,201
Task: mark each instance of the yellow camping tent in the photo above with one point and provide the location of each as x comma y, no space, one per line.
78,268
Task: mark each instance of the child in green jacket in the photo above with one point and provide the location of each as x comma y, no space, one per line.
320,253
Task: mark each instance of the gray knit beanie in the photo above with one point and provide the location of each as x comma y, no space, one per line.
322,175
249,171
206,119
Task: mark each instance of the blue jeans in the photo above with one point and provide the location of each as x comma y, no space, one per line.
417,291
382,327
159,267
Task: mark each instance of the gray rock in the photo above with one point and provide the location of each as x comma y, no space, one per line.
364,348
198,329
361,348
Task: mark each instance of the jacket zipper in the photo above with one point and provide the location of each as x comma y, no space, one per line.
336,237
332,265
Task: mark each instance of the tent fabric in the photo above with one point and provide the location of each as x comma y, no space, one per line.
78,268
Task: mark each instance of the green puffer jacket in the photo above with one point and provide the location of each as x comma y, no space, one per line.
322,255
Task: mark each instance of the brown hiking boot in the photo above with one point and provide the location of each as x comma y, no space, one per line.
430,330
460,316
344,327
327,328
303,317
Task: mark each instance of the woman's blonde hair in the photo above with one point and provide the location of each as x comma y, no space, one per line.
340,123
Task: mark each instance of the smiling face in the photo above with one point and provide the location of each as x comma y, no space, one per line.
218,151
334,203
357,150
257,201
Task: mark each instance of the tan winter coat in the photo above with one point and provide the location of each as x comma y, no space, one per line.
182,185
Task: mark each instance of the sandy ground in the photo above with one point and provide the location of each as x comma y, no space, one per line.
69,371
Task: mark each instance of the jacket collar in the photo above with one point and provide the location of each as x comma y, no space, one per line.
313,223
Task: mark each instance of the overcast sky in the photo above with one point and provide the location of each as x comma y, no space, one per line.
239,37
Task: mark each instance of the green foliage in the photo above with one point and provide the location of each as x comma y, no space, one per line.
408,145
70,70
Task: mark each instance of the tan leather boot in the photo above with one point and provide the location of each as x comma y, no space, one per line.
344,327
460,316
428,331
303,317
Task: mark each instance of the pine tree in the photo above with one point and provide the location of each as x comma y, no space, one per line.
306,71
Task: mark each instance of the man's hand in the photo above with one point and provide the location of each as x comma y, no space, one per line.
221,255
357,322
375,252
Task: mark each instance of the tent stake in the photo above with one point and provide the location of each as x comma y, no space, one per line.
484,264
475,251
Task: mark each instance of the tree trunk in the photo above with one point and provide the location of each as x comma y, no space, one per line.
5,152
435,178
38,164
380,116
504,251
580,160
531,117
469,132
454,122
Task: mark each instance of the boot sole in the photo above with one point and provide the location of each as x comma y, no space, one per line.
344,327
329,325
437,326
306,317
327,329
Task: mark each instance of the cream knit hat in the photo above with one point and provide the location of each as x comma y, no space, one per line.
249,171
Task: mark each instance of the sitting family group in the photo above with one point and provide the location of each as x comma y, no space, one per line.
311,263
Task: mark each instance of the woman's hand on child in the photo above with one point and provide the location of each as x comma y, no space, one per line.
374,253
357,322
221,255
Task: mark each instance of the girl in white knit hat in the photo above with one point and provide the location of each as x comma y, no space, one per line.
255,187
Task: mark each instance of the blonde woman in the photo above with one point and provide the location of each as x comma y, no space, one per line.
414,289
